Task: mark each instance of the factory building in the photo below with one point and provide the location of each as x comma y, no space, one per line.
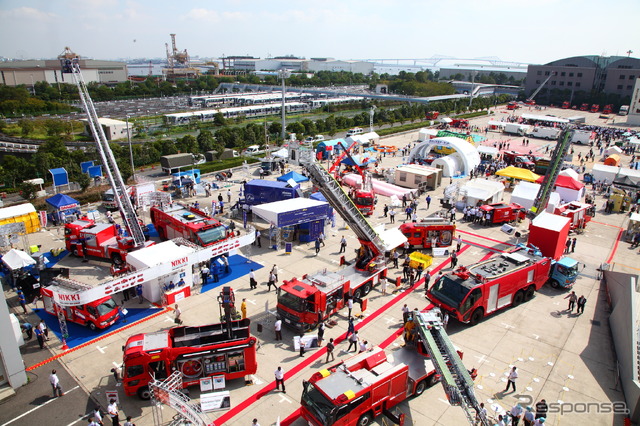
29,72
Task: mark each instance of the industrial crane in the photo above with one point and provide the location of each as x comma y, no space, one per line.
555,166
70,64
530,100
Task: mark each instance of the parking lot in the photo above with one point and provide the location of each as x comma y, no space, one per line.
561,357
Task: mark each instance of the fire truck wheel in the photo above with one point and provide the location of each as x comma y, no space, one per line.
528,295
518,298
476,317
357,294
554,283
91,326
420,387
116,258
366,289
144,393
74,251
365,419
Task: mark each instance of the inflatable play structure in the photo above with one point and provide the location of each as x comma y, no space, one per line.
461,162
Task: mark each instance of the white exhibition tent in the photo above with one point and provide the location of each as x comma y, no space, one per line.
17,259
571,173
524,193
483,190
281,153
293,211
155,255
426,134
391,238
612,150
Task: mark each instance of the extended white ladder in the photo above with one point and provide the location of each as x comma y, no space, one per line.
457,383
69,63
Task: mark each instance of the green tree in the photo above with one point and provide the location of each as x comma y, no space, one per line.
28,190
84,181
26,127
54,127
206,141
187,143
16,169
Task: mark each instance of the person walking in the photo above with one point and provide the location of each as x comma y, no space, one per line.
511,379
279,374
272,282
454,260
40,337
277,327
97,416
405,313
229,195
541,409
22,300
258,240
330,347
243,308
395,257
317,246
428,201
581,302
139,293
343,244
55,384
253,284
177,313
321,238
112,410
129,422
458,243
349,305
385,210
573,244
572,300
383,286
353,341
567,246
392,216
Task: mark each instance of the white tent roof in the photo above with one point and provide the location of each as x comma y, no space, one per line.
391,238
526,190
571,173
16,259
488,150
270,211
157,254
281,153
613,150
550,221
496,123
19,210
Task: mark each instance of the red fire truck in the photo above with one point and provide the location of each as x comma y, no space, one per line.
607,109
460,123
356,390
226,349
473,292
176,220
513,158
595,108
512,105
579,213
584,107
432,115
98,314
423,233
566,105
85,236
501,212
304,303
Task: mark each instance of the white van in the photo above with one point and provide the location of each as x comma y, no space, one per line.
545,132
355,131
252,150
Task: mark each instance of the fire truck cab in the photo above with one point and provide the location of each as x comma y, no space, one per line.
423,233
199,351
176,220
304,303
501,213
85,236
471,293
99,314
365,201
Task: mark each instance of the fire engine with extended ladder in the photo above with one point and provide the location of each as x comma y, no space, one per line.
304,303
355,391
363,196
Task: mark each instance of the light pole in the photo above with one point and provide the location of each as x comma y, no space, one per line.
133,170
283,73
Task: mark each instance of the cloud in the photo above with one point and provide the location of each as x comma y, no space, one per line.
29,13
202,15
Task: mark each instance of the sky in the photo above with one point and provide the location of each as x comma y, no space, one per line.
530,31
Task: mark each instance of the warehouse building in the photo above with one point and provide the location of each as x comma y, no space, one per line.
30,72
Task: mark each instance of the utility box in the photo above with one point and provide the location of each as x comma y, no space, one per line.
549,232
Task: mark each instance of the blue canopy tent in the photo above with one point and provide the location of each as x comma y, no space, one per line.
325,148
297,177
63,207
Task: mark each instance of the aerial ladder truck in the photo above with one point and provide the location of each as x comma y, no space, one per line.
304,303
530,100
554,169
456,380
70,65
363,197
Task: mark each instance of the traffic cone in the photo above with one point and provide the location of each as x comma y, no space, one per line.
64,344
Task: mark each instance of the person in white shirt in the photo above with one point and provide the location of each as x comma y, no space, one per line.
277,326
112,410
364,346
55,384
481,414
229,196
252,280
279,374
459,242
511,379
516,414
349,306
